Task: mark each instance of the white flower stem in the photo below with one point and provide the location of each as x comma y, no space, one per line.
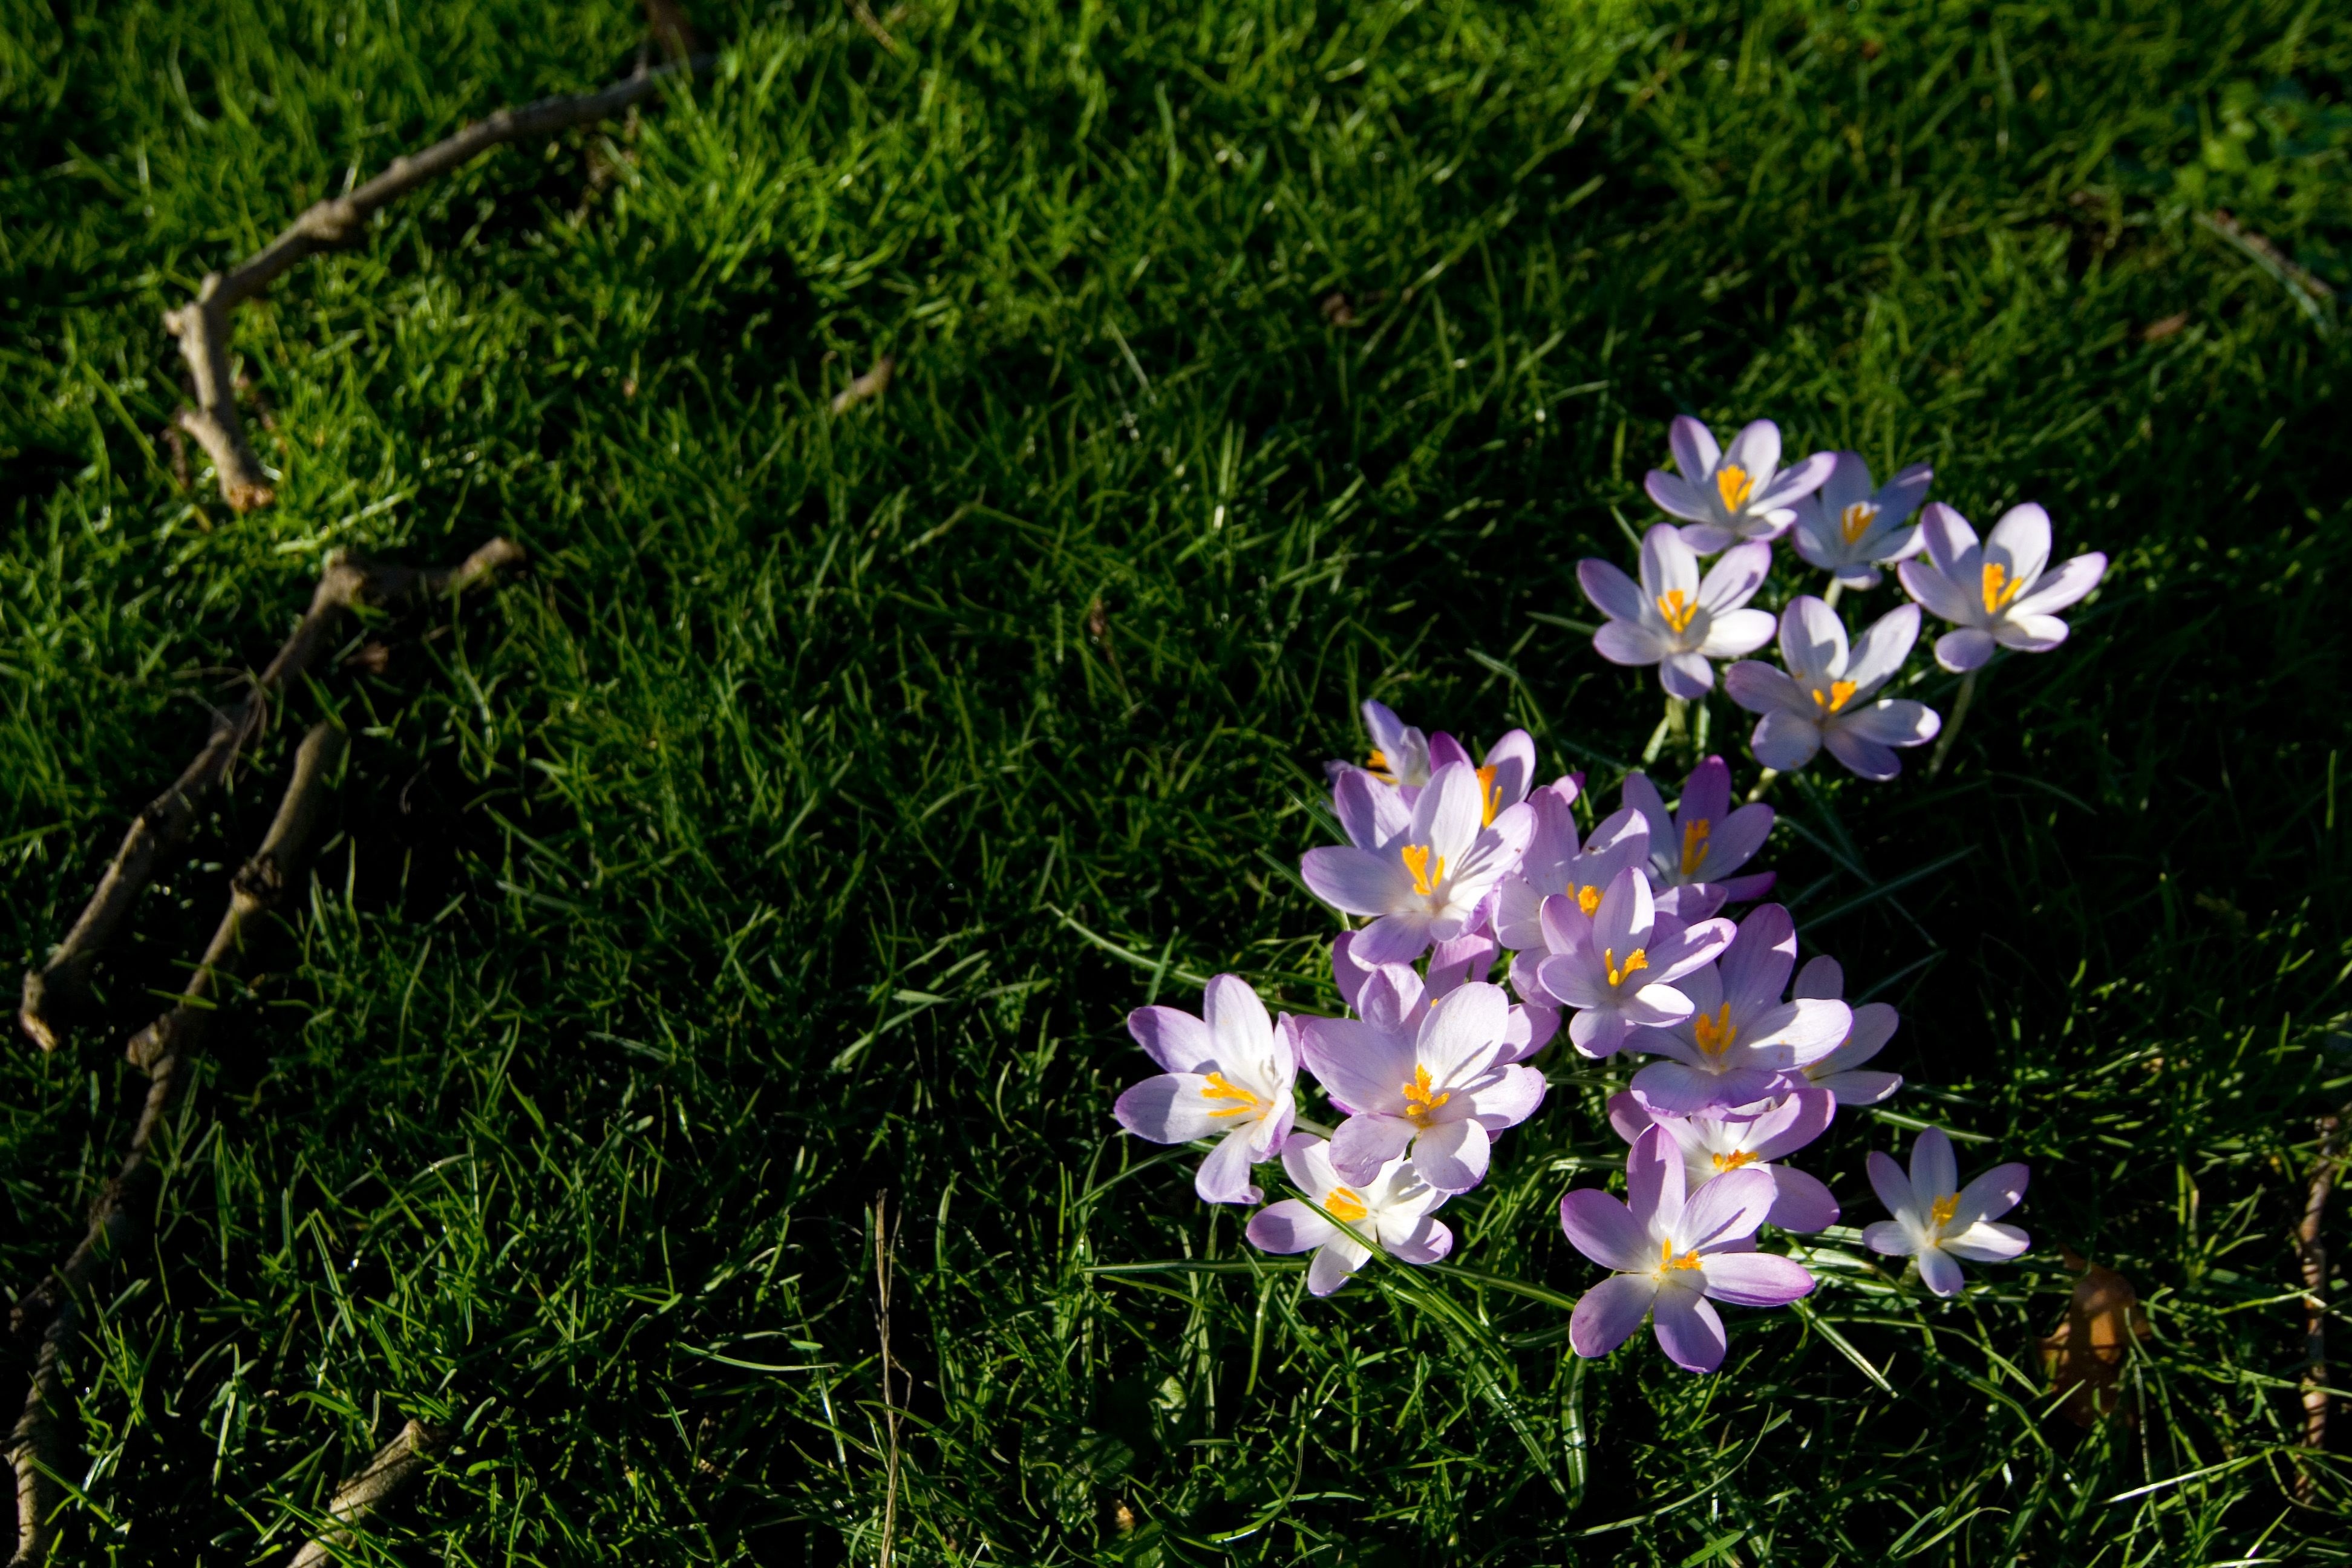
1952,730
1763,783
1835,592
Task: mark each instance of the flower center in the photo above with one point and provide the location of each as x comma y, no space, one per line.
1587,898
1694,845
2000,587
1666,1258
1377,764
1733,1160
1676,607
1715,1035
1416,860
1840,693
1733,484
1218,1089
1940,1212
1637,960
1344,1205
1855,519
1418,1099
1490,795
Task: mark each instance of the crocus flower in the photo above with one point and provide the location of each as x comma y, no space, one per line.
1849,530
1620,968
1555,863
1229,1076
1426,883
1450,965
1429,1080
1400,757
1995,593
1734,495
1741,1043
1828,696
1672,1253
1695,852
1505,772
1938,1221
1392,1209
1841,1072
1713,1145
1673,618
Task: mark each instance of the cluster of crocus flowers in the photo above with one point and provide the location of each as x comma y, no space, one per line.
1639,934
1827,694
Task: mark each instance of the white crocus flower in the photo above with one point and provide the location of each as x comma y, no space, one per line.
1392,1209
1229,1076
1995,593
1829,697
1673,617
1938,1221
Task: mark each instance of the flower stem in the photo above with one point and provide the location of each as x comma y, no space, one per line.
1763,783
1952,730
1835,592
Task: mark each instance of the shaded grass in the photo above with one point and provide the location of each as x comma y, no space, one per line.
735,867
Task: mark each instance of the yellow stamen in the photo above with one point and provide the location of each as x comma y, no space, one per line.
1676,608
1218,1089
1666,1258
1416,860
1639,959
1714,1034
1377,764
1734,484
1695,836
1733,1161
1941,1211
1490,795
1343,1205
1840,693
2000,587
1855,519
1418,1101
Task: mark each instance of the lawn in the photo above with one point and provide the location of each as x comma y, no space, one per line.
774,858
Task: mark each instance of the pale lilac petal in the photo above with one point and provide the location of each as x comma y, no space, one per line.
1288,1226
2029,634
1707,538
1949,538
1177,1041
1688,1330
1443,749
1673,497
1800,1200
1748,889
1604,1230
1598,1031
1390,999
1755,967
1356,881
1452,964
1170,1109
2021,542
1569,979
1365,1142
1533,1025
2062,587
1757,1278
1450,815
1725,1211
1785,740
1687,952
1944,598
1627,913
1823,978
1225,1176
1893,1187
1238,1022
1667,566
1357,1065
1613,593
1509,1101
1427,1241
1985,1242
1693,445
1735,840
1965,649
1692,901
1655,1007
1638,793
1685,674
1348,972
1655,1181
1863,757
1513,758
1888,1238
1393,939
1372,814
1306,1161
1934,1172
1335,1260
1881,649
1939,1273
1761,689
1628,1116
1736,632
1756,449
1895,721
1672,1089
1813,642
1452,1157
1607,1315
1901,495
1733,581
1863,1088
1791,1125
1795,483
1465,1024
1991,1195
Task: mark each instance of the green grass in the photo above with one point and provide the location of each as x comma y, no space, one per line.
728,870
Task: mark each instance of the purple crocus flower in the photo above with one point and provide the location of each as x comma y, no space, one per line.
1849,530
1673,618
1938,1221
1427,883
1229,1076
1400,757
1841,1072
1995,593
1734,495
1555,863
1741,1043
1672,1253
1430,1080
1695,852
1828,698
1712,1146
1619,969
1505,772
1391,1208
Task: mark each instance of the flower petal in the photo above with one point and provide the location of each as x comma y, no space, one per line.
1785,740
1607,1315
1693,445
1177,1041
2062,587
1225,1176
1887,1238
1926,582
1861,755
1673,497
1934,1172
1736,632
1367,1141
1761,689
1800,1200
1893,1187
1880,651
1462,1030
1288,1226
1452,1157
1686,675
2029,634
1985,1242
1725,1211
1757,1278
1733,581
1939,1273
1858,1088
1755,967
1357,881
1613,593
1893,722
1813,642
2020,543
1964,650
1991,1195
1335,1260
1688,1330
1170,1109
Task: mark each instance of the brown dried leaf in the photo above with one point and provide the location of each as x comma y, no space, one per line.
2086,1353
2157,331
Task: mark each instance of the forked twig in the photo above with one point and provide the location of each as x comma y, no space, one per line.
168,817
166,1049
883,1239
395,1465
202,325
2314,1249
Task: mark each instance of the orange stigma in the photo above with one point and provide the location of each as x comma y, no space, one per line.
1635,961
2000,587
1490,795
1733,484
1416,860
1676,608
1840,693
1855,520
1695,835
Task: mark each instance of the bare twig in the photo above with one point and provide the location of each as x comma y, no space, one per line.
202,326
168,817
864,13
165,1050
883,1239
395,1465
871,384
2314,1249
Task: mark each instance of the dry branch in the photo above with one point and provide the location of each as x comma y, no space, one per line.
860,388
168,817
395,1465
166,1050
202,326
2314,1249
884,1245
